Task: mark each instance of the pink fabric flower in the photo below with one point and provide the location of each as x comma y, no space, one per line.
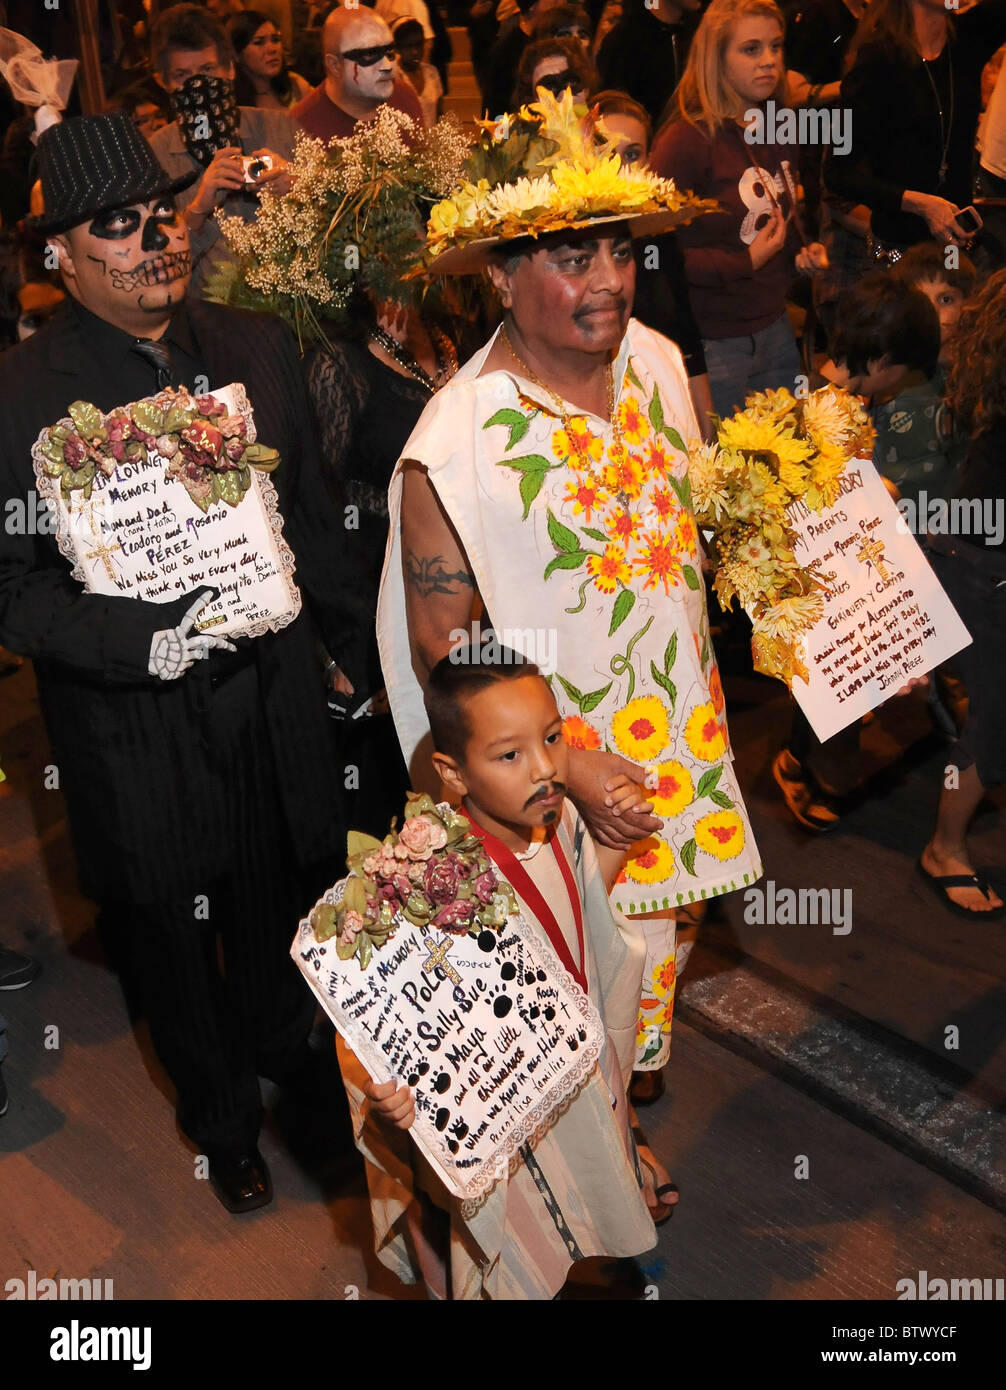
417,835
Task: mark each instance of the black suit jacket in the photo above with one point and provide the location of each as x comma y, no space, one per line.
133,763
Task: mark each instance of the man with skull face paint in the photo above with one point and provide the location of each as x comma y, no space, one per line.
359,55
197,772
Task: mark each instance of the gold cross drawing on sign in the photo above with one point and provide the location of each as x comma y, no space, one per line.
438,956
85,513
872,553
101,552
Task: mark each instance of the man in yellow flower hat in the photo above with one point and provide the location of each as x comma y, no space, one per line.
544,496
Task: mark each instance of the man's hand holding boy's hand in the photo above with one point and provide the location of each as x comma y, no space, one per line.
391,1103
593,777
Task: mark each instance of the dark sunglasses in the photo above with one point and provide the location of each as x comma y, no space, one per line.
368,57
558,82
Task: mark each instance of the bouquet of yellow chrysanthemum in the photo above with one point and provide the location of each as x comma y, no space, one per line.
775,452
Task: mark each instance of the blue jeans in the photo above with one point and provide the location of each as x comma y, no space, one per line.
762,361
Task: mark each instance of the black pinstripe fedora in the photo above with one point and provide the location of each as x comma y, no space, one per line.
92,164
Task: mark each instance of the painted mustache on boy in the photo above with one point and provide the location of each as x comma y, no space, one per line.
546,794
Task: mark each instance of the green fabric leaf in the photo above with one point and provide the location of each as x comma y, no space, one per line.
721,799
86,418
691,578
688,850
682,490
594,534
345,949
262,457
561,536
622,608
525,462
366,949
229,487
530,486
656,411
672,436
149,417
575,695
565,562
671,652
178,417
707,782
665,683
323,920
517,423
591,701
631,374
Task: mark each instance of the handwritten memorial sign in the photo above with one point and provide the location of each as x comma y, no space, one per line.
489,1032
886,618
140,534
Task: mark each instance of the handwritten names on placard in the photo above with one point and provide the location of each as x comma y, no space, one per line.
886,618
488,1032
141,535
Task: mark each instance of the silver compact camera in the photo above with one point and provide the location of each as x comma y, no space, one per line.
255,166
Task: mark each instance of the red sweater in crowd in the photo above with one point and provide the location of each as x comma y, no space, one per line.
728,297
318,114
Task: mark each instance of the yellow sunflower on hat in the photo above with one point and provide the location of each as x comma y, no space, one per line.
641,729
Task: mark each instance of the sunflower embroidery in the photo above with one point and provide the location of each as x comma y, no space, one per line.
659,561
586,497
671,789
577,444
609,570
662,978
624,473
640,729
664,502
721,834
652,863
623,526
704,734
634,424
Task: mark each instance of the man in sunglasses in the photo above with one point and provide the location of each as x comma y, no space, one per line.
359,58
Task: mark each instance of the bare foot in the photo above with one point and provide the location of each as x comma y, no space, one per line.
939,864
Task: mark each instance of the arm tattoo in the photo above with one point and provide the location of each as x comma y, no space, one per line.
428,574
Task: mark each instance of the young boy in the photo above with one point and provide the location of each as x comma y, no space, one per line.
577,1191
916,448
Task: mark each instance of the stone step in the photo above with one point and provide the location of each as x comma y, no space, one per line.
929,1108
460,43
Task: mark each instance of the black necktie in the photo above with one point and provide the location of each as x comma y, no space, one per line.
159,356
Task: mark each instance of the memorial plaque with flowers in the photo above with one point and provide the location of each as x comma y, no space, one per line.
168,495
428,968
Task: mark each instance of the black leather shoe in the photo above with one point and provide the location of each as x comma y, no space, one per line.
241,1180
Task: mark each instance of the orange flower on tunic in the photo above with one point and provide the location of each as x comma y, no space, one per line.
659,561
623,526
577,444
635,426
673,790
704,735
579,734
640,729
686,533
609,570
586,497
652,863
721,834
716,689
655,460
624,473
665,502
662,978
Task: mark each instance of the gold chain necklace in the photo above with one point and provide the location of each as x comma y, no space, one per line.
609,478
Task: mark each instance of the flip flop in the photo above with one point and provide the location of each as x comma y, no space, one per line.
940,883
642,1142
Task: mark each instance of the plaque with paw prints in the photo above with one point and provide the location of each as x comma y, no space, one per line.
490,1033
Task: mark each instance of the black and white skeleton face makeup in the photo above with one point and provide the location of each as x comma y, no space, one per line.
130,266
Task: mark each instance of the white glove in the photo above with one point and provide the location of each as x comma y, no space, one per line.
173,651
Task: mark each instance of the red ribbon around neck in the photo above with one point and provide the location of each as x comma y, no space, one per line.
520,880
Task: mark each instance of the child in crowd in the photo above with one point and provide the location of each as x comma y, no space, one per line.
578,1191
916,448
